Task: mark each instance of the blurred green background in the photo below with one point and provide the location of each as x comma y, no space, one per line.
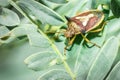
12,66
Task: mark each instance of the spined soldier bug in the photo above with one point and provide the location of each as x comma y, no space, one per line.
83,23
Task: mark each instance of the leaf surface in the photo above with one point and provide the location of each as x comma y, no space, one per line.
8,17
104,60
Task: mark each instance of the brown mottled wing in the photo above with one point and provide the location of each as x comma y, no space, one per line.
94,21
91,23
79,23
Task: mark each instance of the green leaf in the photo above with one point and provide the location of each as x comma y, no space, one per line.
22,30
58,1
72,7
7,36
49,4
104,60
96,3
41,12
36,39
4,3
7,39
8,17
3,34
55,74
40,60
82,56
19,31
113,28
3,31
29,30
115,7
12,56
115,73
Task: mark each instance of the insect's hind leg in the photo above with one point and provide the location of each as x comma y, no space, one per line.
88,41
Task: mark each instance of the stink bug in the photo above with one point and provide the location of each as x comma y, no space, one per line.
83,23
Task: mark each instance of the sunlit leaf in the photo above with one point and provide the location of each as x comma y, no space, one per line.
8,17
104,60
4,3
115,73
59,1
41,12
113,28
12,61
49,4
36,39
72,7
84,53
3,30
40,60
55,75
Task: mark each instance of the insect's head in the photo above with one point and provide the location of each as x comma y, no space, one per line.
67,34
70,31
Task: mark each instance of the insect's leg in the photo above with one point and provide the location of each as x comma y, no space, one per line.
100,29
56,36
61,31
65,48
97,30
89,41
70,42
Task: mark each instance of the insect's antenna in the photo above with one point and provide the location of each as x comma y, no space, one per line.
67,18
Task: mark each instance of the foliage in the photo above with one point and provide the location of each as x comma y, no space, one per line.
35,24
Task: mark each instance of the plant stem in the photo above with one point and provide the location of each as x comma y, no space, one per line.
45,36
58,52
